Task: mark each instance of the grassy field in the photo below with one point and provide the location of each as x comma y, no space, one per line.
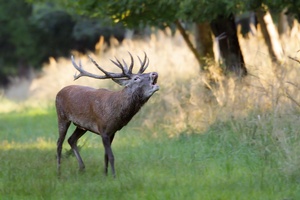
218,164
201,136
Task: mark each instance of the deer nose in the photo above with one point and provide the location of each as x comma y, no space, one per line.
154,74
153,77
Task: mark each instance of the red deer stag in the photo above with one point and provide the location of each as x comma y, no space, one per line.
102,111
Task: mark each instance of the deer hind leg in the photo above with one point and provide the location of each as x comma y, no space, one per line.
108,156
73,143
62,129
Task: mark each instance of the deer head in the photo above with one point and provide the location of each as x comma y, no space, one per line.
133,82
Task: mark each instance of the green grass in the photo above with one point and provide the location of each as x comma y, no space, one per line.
219,164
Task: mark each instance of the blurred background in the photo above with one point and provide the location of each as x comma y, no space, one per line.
216,60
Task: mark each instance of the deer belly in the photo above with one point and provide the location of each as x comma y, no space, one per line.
87,126
93,129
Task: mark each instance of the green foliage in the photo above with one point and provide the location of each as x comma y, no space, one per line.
14,33
29,35
164,12
153,12
53,28
199,11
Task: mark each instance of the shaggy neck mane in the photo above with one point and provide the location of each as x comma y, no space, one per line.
131,104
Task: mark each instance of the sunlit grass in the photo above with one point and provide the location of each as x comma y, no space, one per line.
40,144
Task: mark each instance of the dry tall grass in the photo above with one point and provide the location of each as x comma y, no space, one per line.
188,99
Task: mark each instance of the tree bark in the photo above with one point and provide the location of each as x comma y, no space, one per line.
283,25
287,24
204,42
229,47
188,41
270,34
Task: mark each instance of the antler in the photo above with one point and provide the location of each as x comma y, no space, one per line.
144,64
124,68
126,72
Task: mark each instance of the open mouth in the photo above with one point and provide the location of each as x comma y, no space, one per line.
154,77
154,81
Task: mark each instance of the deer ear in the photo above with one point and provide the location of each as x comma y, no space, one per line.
122,82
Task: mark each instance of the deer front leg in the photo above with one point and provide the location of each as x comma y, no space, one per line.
108,156
111,138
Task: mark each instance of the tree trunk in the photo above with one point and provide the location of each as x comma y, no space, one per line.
287,24
188,41
270,34
283,25
204,42
229,47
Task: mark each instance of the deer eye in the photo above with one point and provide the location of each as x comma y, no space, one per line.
136,78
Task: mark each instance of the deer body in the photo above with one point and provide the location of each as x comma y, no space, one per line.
101,111
96,108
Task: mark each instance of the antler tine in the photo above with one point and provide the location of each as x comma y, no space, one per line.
119,64
77,67
132,63
144,64
98,66
82,72
125,66
124,69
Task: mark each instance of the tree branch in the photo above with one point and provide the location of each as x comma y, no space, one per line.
188,41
